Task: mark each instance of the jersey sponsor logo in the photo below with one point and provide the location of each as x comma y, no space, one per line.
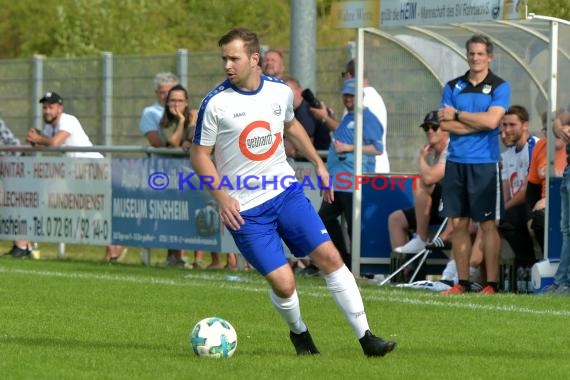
256,141
487,89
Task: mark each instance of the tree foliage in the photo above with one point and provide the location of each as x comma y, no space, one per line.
58,28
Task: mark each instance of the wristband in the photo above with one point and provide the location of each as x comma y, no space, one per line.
456,116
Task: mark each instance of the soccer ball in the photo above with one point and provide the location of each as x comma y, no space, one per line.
213,338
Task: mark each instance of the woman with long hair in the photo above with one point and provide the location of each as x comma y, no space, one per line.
178,120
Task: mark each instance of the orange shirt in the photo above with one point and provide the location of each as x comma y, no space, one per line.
538,165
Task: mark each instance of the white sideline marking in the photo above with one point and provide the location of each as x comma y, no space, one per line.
429,298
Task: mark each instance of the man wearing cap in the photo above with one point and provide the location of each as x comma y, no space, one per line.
340,163
61,129
427,192
372,100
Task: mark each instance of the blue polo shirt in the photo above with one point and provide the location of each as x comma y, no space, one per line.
479,147
341,166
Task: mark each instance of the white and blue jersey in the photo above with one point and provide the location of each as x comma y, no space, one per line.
515,164
341,165
246,130
480,147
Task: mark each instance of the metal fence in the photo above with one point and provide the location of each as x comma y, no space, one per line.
108,93
408,67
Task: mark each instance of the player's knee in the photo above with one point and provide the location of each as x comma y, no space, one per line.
327,258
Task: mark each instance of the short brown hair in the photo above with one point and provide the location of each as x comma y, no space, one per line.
249,38
520,111
480,39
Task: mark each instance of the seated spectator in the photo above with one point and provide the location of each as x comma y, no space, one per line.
515,163
427,193
535,196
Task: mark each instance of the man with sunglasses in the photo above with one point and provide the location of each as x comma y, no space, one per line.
427,192
471,110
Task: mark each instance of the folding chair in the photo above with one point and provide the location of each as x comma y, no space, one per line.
423,254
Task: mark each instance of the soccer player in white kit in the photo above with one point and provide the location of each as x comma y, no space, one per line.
243,121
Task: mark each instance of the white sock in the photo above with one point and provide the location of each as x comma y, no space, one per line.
289,310
343,288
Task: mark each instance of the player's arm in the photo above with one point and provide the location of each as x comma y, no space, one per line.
201,158
517,199
298,136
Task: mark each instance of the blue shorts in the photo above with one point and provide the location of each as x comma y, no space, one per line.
289,216
472,190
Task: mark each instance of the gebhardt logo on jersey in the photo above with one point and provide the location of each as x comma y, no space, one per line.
256,141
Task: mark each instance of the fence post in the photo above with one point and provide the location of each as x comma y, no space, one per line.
182,66
107,99
37,90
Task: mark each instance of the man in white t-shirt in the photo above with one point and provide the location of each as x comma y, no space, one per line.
61,129
242,121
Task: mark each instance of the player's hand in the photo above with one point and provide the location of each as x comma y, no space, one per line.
229,213
540,205
325,184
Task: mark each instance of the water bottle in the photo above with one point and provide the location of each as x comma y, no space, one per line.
521,283
35,251
506,281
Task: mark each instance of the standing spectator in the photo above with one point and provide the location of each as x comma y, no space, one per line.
318,133
151,115
176,129
515,162
561,284
178,121
253,107
471,110
373,100
340,163
427,193
153,125
273,64
20,248
63,129
320,137
535,195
